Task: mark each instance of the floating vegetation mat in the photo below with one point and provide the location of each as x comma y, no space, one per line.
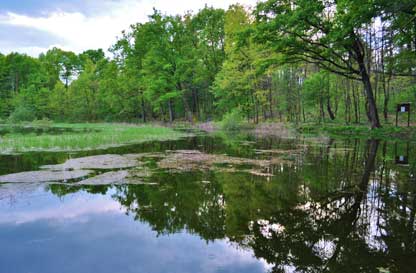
133,168
104,162
44,176
189,160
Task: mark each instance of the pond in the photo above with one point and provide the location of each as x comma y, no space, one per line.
212,203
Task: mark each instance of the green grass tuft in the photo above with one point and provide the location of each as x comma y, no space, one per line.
79,137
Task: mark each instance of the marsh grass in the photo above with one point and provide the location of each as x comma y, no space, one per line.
387,132
78,137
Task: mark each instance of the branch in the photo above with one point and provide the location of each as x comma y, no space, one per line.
298,59
347,67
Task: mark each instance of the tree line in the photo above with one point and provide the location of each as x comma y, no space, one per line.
290,60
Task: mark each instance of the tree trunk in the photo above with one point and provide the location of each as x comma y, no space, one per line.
365,79
356,103
271,103
195,102
321,110
16,83
336,98
328,107
328,100
143,111
188,111
348,102
386,88
256,120
372,107
171,115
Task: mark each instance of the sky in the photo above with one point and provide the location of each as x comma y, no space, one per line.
34,26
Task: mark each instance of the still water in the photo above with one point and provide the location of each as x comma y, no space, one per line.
217,204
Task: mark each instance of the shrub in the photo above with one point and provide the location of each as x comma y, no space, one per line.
20,114
43,123
232,120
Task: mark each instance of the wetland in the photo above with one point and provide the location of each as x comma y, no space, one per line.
201,202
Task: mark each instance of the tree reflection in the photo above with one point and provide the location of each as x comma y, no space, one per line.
345,207
196,205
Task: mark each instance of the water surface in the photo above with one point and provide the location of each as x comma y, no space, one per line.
323,205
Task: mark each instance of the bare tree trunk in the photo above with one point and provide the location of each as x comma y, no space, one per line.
365,78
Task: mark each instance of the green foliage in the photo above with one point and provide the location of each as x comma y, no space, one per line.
239,82
21,114
79,137
43,123
232,120
388,132
293,63
406,94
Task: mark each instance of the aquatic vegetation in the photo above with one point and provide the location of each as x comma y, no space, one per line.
44,176
112,169
97,162
80,137
187,160
214,190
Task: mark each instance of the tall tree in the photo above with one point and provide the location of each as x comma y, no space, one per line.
64,63
326,33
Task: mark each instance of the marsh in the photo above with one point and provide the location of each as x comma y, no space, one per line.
211,203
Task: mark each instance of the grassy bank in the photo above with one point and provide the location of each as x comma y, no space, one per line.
77,137
280,129
386,132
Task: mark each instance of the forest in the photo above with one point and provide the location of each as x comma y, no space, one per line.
273,138
303,61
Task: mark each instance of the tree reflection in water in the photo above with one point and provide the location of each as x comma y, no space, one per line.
335,210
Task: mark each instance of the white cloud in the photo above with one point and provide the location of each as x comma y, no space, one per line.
99,30
69,210
29,50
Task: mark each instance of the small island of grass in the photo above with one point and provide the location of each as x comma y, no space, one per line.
80,136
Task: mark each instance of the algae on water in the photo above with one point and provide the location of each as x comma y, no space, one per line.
44,176
129,169
105,162
188,160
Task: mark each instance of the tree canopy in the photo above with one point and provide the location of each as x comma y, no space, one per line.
287,60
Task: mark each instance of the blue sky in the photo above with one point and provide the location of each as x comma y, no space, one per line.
32,7
34,26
